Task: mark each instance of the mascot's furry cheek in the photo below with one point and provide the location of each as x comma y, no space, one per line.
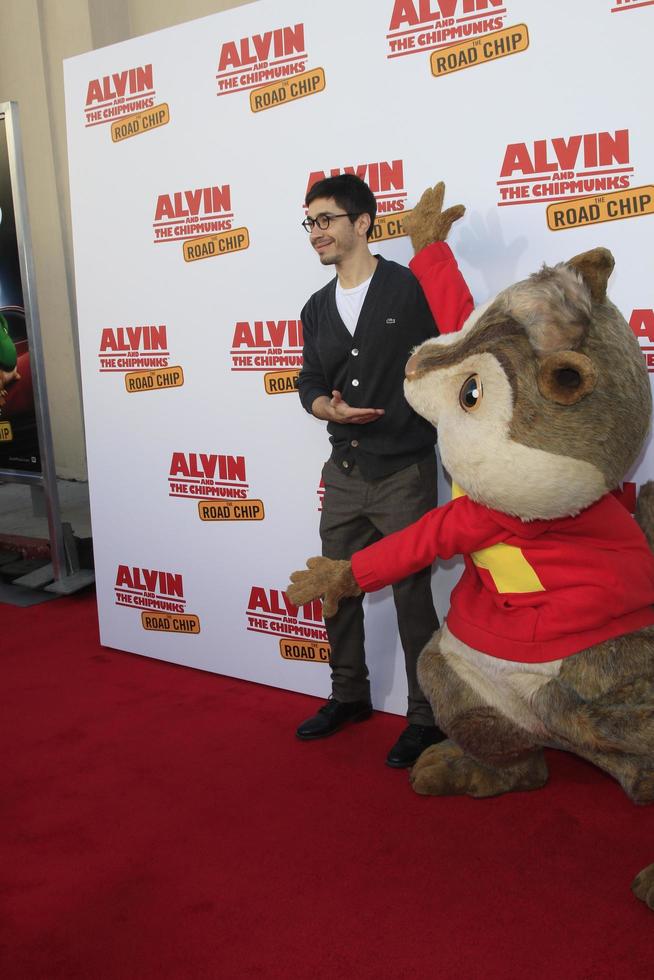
472,396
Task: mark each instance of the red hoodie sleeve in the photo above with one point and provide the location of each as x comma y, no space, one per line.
457,528
445,289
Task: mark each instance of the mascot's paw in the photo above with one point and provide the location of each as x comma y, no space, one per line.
445,770
326,577
433,773
643,886
428,222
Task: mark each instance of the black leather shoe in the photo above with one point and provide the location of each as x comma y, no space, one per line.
332,716
411,743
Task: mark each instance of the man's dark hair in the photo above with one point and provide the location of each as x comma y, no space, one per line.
350,193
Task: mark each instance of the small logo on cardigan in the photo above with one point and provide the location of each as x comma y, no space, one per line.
390,319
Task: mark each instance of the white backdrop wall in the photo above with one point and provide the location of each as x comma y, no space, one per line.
190,153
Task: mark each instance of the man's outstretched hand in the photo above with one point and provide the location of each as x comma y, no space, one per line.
325,577
336,409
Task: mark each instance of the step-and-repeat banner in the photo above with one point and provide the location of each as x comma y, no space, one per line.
191,150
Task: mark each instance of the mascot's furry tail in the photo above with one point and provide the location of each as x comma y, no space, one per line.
643,885
645,511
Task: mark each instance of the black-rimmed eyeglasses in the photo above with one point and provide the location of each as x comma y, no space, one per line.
322,220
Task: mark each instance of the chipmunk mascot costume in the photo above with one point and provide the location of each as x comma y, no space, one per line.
542,403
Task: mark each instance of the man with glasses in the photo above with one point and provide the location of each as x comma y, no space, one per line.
359,331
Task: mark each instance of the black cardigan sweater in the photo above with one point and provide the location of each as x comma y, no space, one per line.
368,369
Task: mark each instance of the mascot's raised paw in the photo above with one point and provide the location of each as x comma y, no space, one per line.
328,578
643,886
428,222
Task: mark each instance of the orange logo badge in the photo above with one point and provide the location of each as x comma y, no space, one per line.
497,44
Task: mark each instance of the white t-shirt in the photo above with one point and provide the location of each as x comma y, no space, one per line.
349,303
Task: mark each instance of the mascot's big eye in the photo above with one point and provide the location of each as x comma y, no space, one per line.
471,394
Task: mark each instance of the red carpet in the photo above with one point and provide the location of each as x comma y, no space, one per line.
159,822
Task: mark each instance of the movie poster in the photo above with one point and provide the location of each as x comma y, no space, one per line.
19,444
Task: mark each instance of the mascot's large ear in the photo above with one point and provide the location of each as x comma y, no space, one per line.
594,267
566,377
552,306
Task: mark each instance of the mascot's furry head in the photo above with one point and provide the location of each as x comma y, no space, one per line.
541,401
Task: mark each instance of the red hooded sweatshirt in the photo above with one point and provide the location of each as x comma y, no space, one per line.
532,591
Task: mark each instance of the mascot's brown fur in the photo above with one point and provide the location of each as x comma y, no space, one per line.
428,222
571,412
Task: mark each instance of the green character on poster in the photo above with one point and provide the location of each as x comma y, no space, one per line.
8,360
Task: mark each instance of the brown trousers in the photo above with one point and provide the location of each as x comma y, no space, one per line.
357,513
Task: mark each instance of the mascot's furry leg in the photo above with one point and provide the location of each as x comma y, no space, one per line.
492,755
607,722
